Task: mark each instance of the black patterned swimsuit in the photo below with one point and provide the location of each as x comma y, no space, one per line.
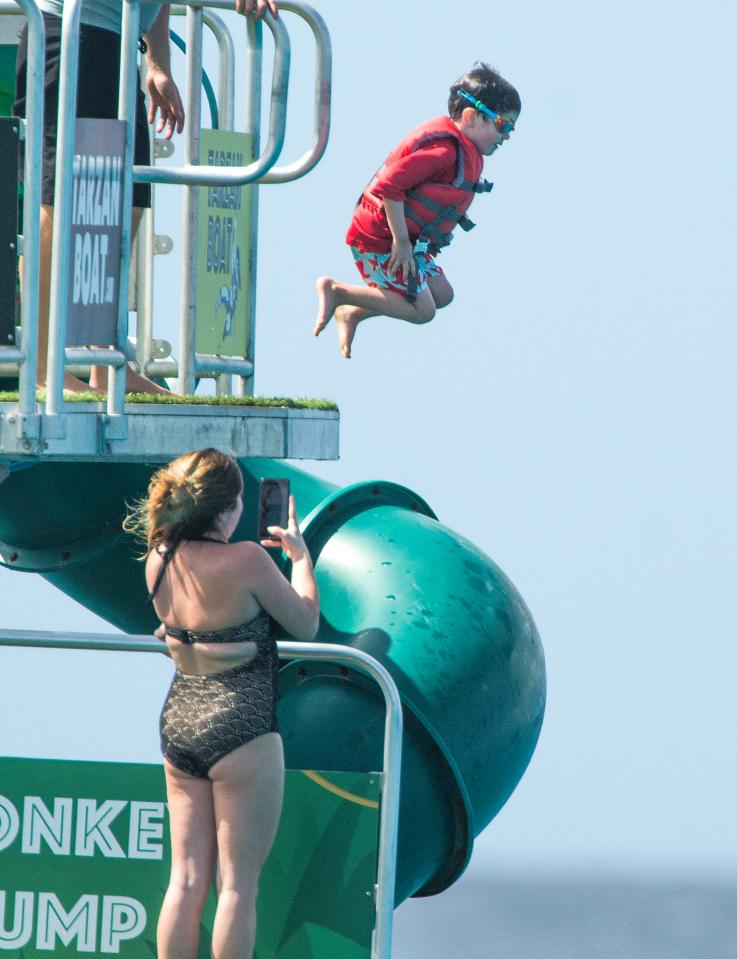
206,717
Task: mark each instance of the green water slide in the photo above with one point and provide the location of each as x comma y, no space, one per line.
446,622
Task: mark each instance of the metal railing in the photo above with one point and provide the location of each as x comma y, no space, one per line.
320,652
27,355
190,175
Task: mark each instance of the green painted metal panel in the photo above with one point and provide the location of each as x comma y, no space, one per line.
8,202
8,53
84,848
9,138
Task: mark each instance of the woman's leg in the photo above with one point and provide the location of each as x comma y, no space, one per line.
247,789
192,824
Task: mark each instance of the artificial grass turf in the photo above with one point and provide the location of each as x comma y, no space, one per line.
170,399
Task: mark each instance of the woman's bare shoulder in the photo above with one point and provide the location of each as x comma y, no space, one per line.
247,552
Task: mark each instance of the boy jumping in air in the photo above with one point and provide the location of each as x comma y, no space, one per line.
407,212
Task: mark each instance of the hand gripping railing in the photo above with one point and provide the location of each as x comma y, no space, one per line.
323,652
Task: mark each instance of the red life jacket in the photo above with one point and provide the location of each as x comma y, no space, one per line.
433,210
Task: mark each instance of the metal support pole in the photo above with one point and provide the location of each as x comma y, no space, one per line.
127,92
190,216
31,215
145,289
145,270
226,69
254,71
226,66
60,247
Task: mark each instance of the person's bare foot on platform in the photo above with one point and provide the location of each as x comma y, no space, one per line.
134,382
327,303
347,319
71,385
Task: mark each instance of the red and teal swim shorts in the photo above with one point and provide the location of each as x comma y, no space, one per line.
374,272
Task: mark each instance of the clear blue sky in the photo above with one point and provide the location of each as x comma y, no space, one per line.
571,412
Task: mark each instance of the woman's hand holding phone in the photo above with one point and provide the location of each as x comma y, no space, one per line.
289,539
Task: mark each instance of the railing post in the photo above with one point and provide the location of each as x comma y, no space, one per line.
60,247
391,778
254,68
31,218
226,70
190,216
127,93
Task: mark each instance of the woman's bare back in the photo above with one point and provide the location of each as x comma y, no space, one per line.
204,588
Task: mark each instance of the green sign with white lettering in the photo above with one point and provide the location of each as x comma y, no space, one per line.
84,862
224,256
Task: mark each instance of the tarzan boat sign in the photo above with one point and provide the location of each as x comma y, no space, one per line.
97,198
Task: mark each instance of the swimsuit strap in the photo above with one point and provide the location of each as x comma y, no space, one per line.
166,556
255,629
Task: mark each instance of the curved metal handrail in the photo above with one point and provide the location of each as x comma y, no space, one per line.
226,80
195,175
323,83
356,658
206,82
226,49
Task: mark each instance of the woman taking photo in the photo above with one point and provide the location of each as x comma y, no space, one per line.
223,756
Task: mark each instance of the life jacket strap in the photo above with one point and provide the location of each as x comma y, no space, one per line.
429,230
482,186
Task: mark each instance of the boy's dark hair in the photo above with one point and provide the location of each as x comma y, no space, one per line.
487,85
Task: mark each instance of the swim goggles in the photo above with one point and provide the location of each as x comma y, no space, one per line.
502,124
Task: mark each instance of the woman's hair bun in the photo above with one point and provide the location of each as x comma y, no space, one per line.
185,497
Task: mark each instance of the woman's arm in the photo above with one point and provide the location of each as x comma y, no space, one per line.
296,605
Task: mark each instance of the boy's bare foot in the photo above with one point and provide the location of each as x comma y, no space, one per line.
326,303
347,319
